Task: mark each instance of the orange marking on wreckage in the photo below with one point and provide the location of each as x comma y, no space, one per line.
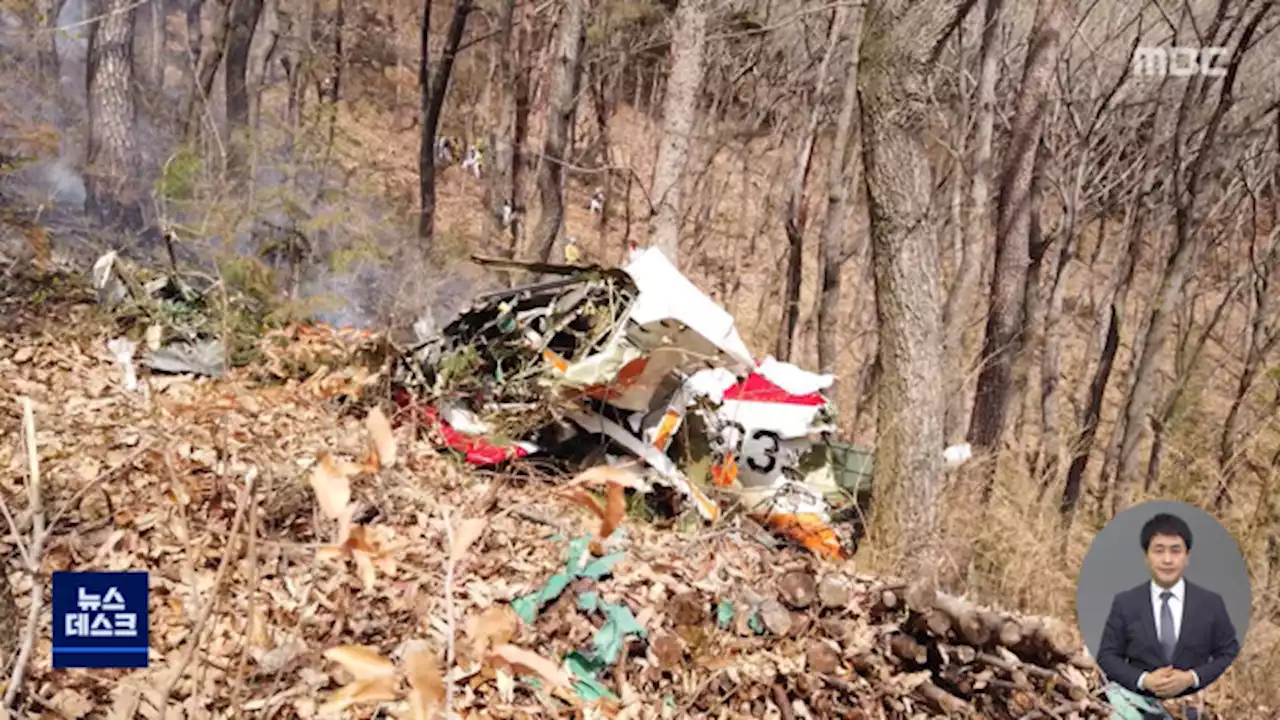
626,377
807,529
666,428
556,361
725,474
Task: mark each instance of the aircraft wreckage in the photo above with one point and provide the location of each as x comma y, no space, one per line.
600,361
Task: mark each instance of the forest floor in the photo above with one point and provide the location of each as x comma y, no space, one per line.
161,482
223,491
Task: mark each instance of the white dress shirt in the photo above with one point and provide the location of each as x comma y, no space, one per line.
1176,603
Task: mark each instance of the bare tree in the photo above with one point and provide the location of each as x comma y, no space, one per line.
1088,144
1263,336
432,90
112,156
976,231
1112,313
1008,283
834,249
208,60
565,75
893,100
794,211
1187,241
243,21
679,108
500,184
46,46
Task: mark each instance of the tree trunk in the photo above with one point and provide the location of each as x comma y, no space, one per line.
1263,341
833,248
679,108
244,21
894,101
1049,459
499,187
159,54
1008,282
958,311
1168,295
1112,313
210,59
794,211
261,60
432,89
112,154
563,102
194,38
46,45
1032,329
1184,371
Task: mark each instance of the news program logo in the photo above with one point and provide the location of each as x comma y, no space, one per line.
100,620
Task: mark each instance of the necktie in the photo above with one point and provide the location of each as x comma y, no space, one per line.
1167,638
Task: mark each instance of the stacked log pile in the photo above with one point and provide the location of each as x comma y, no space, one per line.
850,646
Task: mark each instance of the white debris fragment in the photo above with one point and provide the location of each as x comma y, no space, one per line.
793,379
463,420
155,334
956,455
106,280
474,161
122,350
711,383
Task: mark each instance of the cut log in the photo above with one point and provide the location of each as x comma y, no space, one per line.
797,589
822,656
920,594
943,700
775,617
966,621
1046,641
958,654
931,622
906,648
1003,630
834,592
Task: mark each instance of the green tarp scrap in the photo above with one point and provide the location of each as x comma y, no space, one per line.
619,622
608,641
585,668
1129,705
528,606
724,614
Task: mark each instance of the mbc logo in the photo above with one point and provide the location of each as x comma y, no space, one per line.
1178,61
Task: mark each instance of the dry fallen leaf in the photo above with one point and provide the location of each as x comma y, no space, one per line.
607,474
427,683
361,661
495,626
258,634
465,534
383,441
615,507
588,501
527,661
610,514
333,489
380,689
364,564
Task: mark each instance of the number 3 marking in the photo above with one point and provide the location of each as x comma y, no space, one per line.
770,460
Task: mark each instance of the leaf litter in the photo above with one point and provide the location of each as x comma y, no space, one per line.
336,604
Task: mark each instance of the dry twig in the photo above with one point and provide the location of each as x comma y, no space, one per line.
32,553
451,562
207,611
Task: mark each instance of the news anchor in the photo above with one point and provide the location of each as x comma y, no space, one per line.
1167,637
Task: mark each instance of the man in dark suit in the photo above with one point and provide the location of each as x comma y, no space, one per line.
1167,637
